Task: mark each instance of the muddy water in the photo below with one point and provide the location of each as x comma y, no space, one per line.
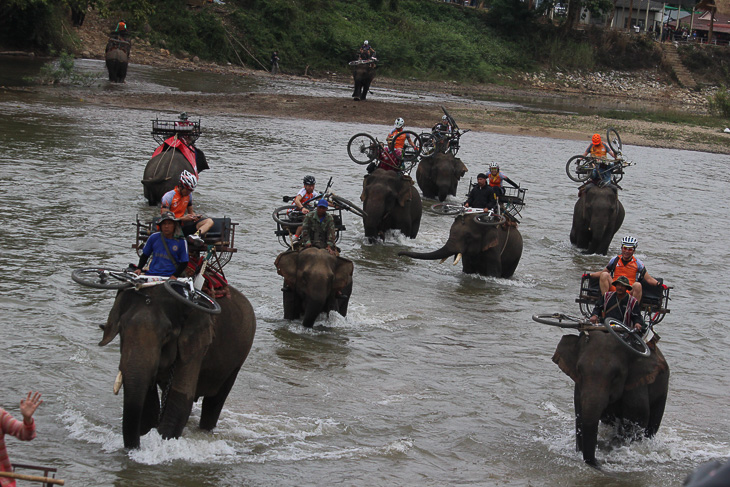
434,377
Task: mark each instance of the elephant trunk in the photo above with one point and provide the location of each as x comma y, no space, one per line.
138,366
443,192
592,405
312,308
373,221
599,237
443,253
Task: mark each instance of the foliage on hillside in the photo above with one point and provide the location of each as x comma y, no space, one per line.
711,64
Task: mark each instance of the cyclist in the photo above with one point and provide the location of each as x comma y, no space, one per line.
398,143
305,195
601,175
169,254
619,305
179,201
626,265
442,133
497,178
482,195
366,52
318,229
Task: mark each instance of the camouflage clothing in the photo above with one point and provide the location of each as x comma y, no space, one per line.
318,233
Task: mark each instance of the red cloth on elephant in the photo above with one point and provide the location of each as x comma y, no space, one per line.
178,144
214,281
22,431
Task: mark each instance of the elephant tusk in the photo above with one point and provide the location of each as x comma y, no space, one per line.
444,259
457,259
118,383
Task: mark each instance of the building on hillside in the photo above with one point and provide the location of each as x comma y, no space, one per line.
646,14
700,22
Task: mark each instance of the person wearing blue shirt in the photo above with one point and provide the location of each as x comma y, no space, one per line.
169,254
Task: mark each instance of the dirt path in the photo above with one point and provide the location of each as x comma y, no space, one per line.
651,89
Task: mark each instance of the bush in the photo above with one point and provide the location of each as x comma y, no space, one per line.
719,103
63,71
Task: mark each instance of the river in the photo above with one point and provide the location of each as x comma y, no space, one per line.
434,378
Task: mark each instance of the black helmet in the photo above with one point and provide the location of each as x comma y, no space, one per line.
308,180
184,116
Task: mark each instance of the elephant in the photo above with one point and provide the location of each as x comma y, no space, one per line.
597,216
162,172
438,176
187,353
315,282
487,250
390,202
612,383
363,75
117,59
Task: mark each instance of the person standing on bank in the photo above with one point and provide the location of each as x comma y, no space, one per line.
275,62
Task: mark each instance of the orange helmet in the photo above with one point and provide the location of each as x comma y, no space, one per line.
596,139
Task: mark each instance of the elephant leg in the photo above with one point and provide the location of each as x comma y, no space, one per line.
175,415
578,428
356,91
292,305
365,89
151,411
212,405
656,413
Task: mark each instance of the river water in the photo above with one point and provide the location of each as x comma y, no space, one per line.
434,377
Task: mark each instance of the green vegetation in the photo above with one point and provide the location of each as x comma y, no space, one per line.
719,103
710,64
62,70
669,116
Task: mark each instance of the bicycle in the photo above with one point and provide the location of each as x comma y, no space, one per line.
482,216
579,168
364,149
182,289
629,337
436,141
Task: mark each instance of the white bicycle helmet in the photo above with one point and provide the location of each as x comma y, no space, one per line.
366,43
444,117
493,165
188,180
629,241
399,122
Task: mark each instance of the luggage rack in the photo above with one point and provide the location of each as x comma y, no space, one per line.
512,202
292,218
164,129
221,236
654,301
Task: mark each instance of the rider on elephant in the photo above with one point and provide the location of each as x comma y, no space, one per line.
398,143
180,202
482,195
121,29
318,229
600,175
366,52
626,265
169,254
305,196
442,132
497,178
619,305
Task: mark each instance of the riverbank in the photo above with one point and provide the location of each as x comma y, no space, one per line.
595,93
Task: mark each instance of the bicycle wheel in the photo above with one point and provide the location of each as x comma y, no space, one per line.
578,168
101,278
617,177
281,216
428,145
559,320
490,220
446,209
348,205
198,300
614,140
630,338
411,145
362,148
454,147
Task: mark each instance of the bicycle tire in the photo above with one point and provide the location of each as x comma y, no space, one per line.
489,220
446,209
199,300
454,149
98,278
428,145
614,140
630,339
349,205
410,151
617,177
282,222
558,319
362,149
578,168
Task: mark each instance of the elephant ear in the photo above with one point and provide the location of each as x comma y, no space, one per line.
111,328
460,169
644,371
343,273
404,193
566,355
365,183
286,266
195,337
491,242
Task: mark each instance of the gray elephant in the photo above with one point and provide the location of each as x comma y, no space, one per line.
390,202
315,282
187,353
363,75
162,172
612,384
438,176
117,59
485,249
597,216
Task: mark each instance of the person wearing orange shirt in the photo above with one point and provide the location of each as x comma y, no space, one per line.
179,201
